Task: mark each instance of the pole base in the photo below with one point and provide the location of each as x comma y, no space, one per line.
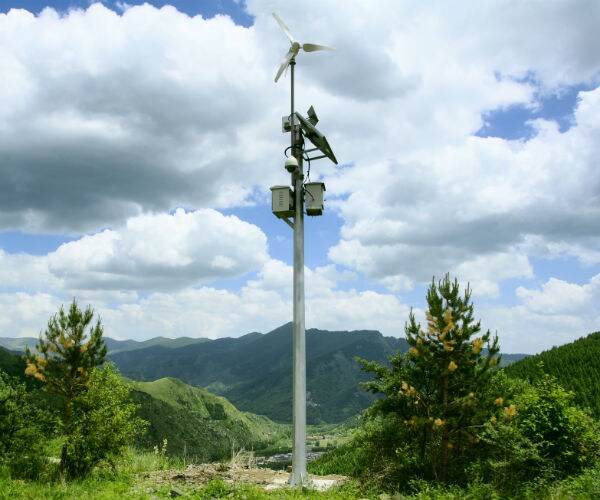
299,480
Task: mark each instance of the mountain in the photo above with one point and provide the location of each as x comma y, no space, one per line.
197,424
509,359
576,367
19,344
254,371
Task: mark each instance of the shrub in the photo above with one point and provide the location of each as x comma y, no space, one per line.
22,443
567,438
104,422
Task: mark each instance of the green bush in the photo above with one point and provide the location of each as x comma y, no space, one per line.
567,438
344,460
104,423
22,443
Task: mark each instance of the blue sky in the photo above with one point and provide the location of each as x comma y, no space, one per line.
139,142
206,8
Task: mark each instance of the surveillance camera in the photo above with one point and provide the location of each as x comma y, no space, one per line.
291,164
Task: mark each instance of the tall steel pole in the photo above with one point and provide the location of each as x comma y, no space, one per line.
299,476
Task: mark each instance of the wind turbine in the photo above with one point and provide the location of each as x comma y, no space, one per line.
295,47
299,475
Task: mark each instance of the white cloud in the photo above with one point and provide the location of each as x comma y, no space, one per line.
113,121
265,304
150,252
472,203
161,251
22,271
145,111
557,313
558,297
26,314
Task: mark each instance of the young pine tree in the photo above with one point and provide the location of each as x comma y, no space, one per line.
440,391
67,352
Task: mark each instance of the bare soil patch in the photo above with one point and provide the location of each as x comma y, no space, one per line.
196,476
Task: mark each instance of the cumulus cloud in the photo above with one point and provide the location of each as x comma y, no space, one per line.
559,297
105,116
150,252
265,303
553,314
25,314
110,122
472,202
161,251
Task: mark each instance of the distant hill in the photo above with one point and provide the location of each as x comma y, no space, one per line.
255,371
509,359
197,423
576,366
19,344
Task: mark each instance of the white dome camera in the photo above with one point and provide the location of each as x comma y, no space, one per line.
291,164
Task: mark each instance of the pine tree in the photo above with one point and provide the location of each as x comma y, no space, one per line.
66,354
440,391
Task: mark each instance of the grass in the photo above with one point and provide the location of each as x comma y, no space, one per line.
143,475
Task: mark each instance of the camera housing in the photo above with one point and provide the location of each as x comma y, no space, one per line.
291,164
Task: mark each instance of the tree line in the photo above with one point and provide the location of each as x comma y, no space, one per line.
575,367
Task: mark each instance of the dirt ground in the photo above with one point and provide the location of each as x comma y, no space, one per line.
195,476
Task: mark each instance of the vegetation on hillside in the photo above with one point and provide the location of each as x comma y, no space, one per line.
447,419
445,422
575,366
198,425
254,372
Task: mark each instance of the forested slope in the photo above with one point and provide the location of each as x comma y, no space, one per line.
195,423
254,372
576,366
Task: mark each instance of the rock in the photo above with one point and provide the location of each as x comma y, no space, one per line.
176,492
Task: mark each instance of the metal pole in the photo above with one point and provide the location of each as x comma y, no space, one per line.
299,476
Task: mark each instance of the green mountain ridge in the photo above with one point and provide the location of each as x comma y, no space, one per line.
201,425
195,423
576,367
114,346
254,371
205,426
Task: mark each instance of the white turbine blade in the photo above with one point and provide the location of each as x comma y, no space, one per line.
285,29
311,47
286,62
